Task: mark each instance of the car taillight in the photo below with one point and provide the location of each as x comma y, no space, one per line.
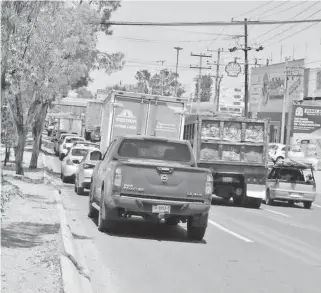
117,177
88,166
209,184
69,162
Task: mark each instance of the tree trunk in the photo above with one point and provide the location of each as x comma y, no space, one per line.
37,131
20,149
7,156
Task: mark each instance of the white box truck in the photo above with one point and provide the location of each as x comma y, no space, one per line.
127,113
93,117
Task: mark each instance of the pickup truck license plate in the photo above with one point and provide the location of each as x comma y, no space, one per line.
227,179
166,209
295,195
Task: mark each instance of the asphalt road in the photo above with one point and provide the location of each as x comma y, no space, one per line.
275,249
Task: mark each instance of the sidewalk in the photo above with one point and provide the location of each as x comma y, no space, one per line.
30,238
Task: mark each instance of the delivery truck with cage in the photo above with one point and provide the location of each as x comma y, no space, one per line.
127,113
92,117
235,150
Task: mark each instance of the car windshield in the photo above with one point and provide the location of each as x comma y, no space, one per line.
95,156
155,149
73,139
79,152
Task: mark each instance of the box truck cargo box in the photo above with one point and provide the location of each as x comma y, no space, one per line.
126,113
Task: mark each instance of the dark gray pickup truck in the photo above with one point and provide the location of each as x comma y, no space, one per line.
154,178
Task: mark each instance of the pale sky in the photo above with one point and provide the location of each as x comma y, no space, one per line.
143,46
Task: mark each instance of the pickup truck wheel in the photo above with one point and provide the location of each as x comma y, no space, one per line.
171,222
64,179
195,233
307,204
92,212
268,199
104,225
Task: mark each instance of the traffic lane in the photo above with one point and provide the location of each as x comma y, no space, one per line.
295,233
142,257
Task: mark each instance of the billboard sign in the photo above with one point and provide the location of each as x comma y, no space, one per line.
306,129
267,86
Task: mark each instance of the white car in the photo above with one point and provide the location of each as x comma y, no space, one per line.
70,162
277,153
85,170
67,144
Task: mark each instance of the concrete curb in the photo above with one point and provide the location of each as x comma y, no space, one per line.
75,274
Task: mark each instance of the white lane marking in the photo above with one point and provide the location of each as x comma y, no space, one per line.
316,205
277,213
230,232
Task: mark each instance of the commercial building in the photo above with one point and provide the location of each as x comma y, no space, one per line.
267,90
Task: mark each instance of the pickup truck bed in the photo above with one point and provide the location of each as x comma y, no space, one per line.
130,181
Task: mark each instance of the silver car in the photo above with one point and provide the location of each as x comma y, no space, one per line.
67,144
85,170
69,164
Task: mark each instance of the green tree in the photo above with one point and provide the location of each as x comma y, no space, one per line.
206,88
159,83
47,49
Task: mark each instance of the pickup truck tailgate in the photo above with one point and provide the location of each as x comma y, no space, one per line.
163,181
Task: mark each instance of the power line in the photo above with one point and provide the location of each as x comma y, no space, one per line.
158,41
284,2
208,23
292,34
286,9
289,27
256,8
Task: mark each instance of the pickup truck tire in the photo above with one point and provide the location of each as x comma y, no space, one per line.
197,232
92,212
104,224
307,204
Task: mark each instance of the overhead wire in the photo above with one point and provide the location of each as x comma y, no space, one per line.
313,24
291,28
256,8
286,9
281,4
264,34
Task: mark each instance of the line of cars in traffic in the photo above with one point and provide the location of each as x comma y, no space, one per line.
78,158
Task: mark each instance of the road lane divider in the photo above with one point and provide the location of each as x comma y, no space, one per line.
230,232
316,205
277,213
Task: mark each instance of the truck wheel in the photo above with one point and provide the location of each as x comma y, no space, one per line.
268,199
195,233
171,221
64,179
92,212
104,225
238,201
307,204
254,203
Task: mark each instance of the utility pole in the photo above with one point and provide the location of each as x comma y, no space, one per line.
162,77
200,76
246,68
285,98
217,79
177,49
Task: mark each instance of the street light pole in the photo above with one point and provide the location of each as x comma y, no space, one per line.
177,49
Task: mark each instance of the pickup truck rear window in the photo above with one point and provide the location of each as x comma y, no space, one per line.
155,150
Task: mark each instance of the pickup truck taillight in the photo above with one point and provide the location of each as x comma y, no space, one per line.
209,184
117,177
89,166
